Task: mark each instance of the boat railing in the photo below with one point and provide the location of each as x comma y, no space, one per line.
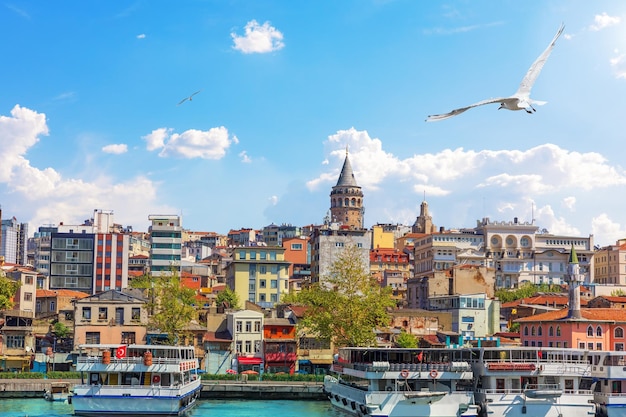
128,360
410,367
520,391
612,394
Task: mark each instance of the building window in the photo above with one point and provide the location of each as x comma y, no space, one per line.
532,331
550,331
86,313
135,314
274,283
525,330
619,332
558,331
619,346
28,296
248,346
262,283
257,326
599,331
15,342
590,346
598,346
92,337
539,331
581,345
102,313
128,338
238,326
590,331
248,326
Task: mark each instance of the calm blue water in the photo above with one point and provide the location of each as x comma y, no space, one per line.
205,408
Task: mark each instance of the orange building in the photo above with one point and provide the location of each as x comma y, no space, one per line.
589,328
279,346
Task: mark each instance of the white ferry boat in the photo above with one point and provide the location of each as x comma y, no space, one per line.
533,382
135,380
608,370
381,382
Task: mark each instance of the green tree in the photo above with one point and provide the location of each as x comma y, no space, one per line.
8,289
60,329
618,293
406,340
228,297
170,304
525,290
348,306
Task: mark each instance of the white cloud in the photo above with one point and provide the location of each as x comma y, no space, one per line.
44,196
570,203
156,139
524,183
192,143
244,157
602,225
603,21
116,149
258,39
619,64
141,36
273,200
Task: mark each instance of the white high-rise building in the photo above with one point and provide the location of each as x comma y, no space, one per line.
165,243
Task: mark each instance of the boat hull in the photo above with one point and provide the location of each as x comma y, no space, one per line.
519,405
398,403
93,401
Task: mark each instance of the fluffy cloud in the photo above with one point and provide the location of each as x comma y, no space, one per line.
44,196
603,21
509,183
116,149
192,143
258,39
618,63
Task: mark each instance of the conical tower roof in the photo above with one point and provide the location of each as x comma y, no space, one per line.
346,178
573,258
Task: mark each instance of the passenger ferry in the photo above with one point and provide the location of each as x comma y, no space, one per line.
608,369
533,382
402,382
135,380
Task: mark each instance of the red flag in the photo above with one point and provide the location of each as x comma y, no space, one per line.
120,352
420,356
540,354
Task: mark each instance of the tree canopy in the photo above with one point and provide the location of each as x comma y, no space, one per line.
8,289
525,290
406,340
228,297
170,304
348,305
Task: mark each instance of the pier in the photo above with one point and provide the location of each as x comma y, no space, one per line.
266,390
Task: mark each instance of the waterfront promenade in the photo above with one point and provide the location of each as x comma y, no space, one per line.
266,390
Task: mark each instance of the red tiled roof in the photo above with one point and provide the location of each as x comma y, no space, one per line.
614,298
61,293
590,314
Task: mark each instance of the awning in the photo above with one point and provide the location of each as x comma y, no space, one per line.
321,361
249,361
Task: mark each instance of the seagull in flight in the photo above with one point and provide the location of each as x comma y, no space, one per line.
188,98
521,99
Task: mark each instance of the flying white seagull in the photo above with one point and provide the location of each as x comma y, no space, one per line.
521,99
188,98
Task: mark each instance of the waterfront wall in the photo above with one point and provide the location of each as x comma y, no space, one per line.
266,390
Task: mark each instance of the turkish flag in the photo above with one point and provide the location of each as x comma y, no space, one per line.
120,352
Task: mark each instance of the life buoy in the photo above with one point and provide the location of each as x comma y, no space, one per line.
156,379
433,373
404,374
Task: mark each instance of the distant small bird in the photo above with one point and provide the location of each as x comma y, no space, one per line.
188,98
521,99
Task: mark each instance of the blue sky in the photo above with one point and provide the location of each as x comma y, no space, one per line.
89,114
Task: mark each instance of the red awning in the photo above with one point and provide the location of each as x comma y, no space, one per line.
249,361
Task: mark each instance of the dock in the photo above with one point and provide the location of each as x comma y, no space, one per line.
266,390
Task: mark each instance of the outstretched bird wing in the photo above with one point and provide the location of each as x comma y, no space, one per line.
536,67
437,117
188,98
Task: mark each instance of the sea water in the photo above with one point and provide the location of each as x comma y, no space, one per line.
35,407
